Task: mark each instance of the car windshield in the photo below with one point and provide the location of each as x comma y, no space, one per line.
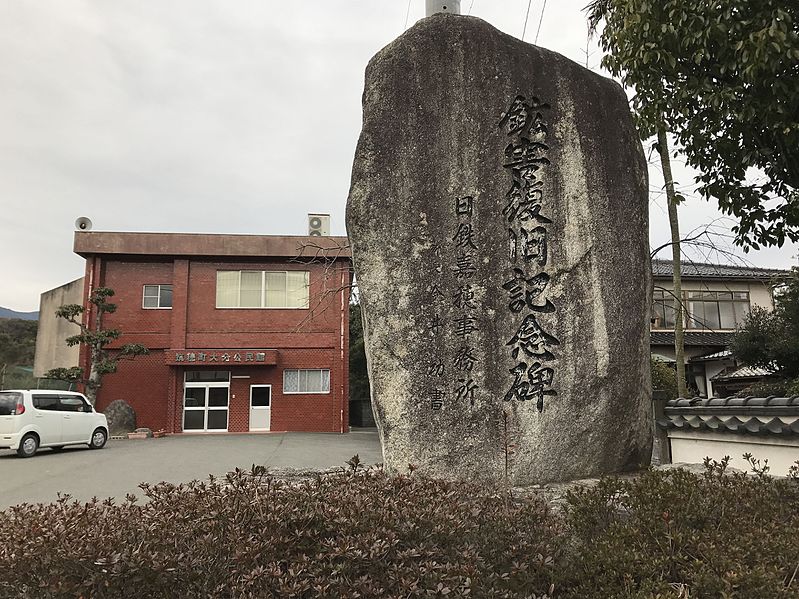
8,403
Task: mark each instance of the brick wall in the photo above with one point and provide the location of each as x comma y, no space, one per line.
314,338
149,327
142,382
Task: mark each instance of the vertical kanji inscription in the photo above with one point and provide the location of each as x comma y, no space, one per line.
526,161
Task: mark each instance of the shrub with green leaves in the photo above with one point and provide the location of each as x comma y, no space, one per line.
664,378
779,388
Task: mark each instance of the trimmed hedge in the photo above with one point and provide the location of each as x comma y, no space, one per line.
369,534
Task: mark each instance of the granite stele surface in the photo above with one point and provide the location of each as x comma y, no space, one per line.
498,222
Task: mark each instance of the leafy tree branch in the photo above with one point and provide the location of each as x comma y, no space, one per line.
102,361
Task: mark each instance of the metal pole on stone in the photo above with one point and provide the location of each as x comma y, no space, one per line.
450,6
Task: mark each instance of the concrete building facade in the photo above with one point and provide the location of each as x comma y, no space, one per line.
52,350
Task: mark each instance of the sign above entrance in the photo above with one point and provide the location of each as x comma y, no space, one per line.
230,357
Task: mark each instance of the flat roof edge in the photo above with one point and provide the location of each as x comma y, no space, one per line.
89,243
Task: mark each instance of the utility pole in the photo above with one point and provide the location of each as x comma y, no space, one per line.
434,6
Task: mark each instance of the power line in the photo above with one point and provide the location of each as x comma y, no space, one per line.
407,14
527,16
541,20
470,8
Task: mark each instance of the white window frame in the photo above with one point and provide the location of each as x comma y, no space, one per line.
158,297
307,392
263,291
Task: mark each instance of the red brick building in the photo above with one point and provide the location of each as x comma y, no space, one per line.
245,332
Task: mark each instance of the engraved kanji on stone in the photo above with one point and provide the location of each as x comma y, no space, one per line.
434,290
517,116
212,357
464,206
465,390
523,113
225,357
532,340
437,398
464,326
464,265
260,357
527,174
248,356
435,368
201,356
525,152
237,357
524,202
534,245
435,324
464,236
464,359
191,357
463,297
535,387
523,291
180,358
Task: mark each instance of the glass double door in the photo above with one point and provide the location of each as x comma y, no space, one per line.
205,406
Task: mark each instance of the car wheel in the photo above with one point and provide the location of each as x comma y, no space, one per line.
99,437
57,448
28,446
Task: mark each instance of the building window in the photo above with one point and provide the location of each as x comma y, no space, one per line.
662,310
157,296
306,381
261,289
717,309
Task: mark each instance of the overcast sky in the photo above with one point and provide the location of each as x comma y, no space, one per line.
208,116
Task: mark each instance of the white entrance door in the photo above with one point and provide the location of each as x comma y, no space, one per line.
260,407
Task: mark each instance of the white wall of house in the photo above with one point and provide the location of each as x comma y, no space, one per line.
692,448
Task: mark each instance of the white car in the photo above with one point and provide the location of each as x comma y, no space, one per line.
33,419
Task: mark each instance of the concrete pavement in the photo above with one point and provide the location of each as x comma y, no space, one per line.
122,465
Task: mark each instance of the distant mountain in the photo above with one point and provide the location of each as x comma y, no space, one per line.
6,313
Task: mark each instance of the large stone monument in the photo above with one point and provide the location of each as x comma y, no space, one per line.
498,222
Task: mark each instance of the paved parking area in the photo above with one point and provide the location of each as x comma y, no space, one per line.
122,465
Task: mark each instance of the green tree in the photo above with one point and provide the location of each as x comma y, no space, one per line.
17,341
771,339
723,77
359,377
102,361
630,57
664,379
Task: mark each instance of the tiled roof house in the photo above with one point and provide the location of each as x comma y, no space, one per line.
716,298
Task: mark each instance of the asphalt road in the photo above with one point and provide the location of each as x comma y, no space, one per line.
118,468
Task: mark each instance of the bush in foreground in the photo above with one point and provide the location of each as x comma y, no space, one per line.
677,534
355,534
348,535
